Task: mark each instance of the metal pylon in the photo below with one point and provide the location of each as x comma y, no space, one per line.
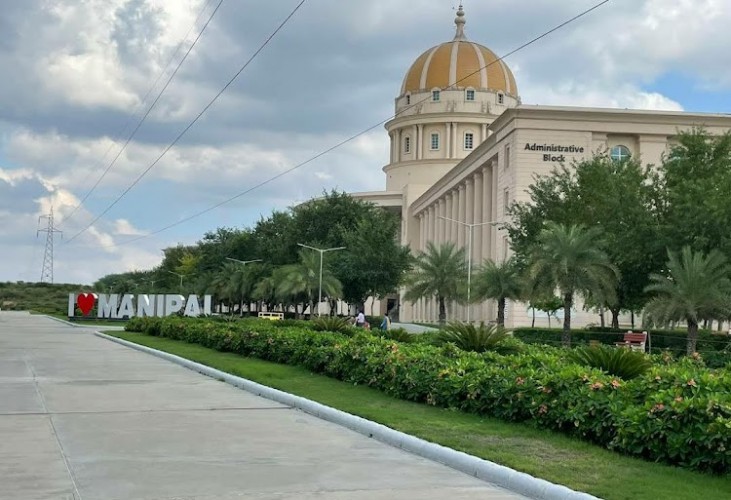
50,230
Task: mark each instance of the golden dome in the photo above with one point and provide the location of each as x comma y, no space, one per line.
459,64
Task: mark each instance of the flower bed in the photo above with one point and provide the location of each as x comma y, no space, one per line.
678,413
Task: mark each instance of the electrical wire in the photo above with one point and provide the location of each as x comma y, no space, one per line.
355,136
149,109
188,127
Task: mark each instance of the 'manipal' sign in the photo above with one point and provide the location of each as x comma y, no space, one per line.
113,306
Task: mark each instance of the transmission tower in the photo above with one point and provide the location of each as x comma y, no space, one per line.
50,230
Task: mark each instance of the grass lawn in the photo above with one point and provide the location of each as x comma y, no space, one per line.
551,456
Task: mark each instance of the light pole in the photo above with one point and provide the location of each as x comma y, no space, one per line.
181,276
470,227
322,253
243,262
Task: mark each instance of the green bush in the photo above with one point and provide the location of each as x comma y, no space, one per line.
331,324
678,412
470,337
399,335
622,363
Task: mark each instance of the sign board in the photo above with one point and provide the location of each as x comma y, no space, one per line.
114,306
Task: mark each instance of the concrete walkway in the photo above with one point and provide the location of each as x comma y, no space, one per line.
84,418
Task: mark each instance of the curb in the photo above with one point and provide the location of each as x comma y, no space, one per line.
517,482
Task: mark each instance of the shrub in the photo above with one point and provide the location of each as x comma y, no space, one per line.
469,337
331,324
622,363
678,413
399,335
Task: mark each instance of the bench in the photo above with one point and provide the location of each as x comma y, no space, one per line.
633,341
271,316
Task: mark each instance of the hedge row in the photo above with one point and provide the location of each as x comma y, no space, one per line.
679,413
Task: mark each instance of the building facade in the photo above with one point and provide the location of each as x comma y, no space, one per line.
464,147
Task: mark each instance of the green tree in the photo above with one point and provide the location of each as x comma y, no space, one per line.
570,259
621,199
549,304
696,287
500,282
440,272
303,280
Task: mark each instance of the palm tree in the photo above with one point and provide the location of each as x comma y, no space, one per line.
439,272
499,282
695,287
303,279
570,259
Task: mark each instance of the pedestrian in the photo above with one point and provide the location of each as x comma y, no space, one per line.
386,323
360,319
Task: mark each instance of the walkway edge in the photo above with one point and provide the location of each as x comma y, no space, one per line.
517,482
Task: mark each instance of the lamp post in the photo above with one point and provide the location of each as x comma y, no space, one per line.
322,253
470,227
243,262
181,276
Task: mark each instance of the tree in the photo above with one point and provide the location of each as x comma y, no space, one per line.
548,304
439,272
303,279
570,259
621,199
696,287
499,282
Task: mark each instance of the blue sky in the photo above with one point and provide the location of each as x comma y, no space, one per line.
80,71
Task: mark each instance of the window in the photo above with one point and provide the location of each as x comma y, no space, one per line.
434,141
407,144
620,153
507,157
470,95
436,95
501,99
469,141
506,200
506,248
408,99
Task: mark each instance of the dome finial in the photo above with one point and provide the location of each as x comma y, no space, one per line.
460,22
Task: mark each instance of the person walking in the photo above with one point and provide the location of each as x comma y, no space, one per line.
386,323
360,319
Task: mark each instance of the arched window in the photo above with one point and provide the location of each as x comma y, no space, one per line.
407,144
469,95
620,153
469,141
436,95
434,141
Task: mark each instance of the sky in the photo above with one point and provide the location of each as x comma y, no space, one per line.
76,74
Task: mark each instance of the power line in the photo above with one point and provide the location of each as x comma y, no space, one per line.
355,136
150,108
188,127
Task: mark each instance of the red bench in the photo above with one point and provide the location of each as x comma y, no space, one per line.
634,341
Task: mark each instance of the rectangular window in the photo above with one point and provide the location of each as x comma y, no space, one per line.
434,142
435,95
408,99
506,201
507,157
407,144
469,141
470,95
500,99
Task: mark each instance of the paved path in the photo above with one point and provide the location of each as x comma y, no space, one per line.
412,328
84,418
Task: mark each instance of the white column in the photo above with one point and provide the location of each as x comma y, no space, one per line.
448,140
484,132
477,238
420,147
455,143
462,198
399,145
448,213
440,221
415,141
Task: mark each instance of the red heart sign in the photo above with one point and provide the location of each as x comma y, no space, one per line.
85,301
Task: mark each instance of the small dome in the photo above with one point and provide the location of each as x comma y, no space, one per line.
459,64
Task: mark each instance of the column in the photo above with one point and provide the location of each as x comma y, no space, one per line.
391,135
440,221
487,215
477,237
422,232
455,143
484,132
420,147
415,141
447,224
448,140
461,216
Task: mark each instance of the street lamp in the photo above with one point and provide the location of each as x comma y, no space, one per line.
322,253
470,227
244,262
181,276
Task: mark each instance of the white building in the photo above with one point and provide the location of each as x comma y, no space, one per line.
464,147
